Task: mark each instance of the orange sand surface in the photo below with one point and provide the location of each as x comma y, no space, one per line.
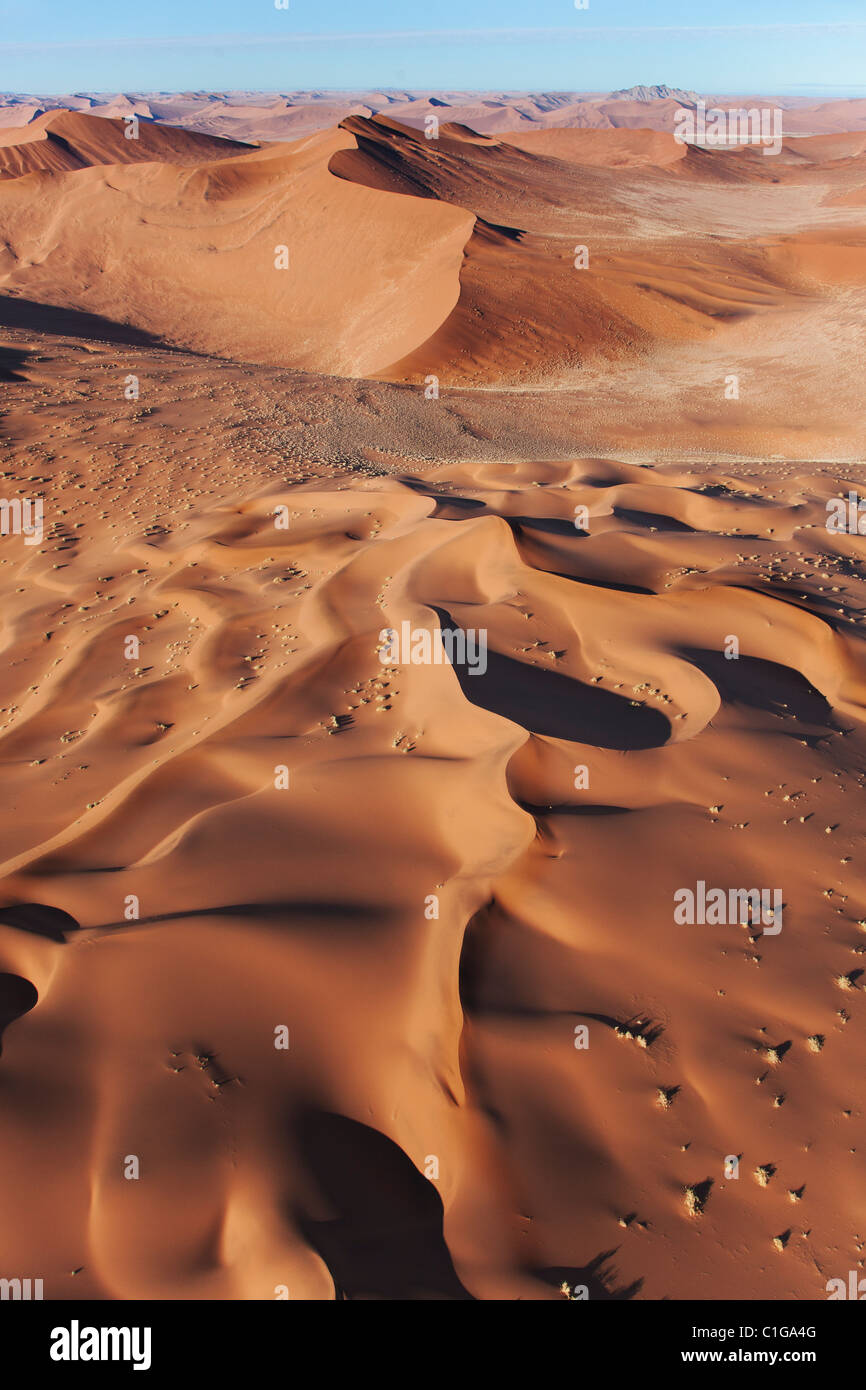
231,824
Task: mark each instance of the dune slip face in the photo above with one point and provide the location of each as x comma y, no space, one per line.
431,707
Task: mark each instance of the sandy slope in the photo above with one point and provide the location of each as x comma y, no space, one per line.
455,257
190,256
58,141
431,1131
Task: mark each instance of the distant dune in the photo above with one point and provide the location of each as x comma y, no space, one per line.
288,115
57,141
410,257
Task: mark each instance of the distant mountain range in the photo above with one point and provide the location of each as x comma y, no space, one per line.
655,94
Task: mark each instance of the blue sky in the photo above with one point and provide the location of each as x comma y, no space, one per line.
782,46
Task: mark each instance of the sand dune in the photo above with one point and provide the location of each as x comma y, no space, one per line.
332,971
65,140
189,256
614,150
259,649
442,245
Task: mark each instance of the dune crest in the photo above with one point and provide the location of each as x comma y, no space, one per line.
236,257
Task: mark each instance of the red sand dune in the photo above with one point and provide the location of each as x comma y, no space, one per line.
66,140
620,149
189,255
227,816
441,246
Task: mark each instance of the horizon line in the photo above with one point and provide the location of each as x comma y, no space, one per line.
843,88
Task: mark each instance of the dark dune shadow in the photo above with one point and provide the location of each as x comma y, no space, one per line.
446,503
488,984
340,916
379,163
11,360
74,323
596,1277
593,582
17,997
554,525
721,490
50,922
763,685
820,606
498,231
545,702
656,519
457,509
549,560
587,809
385,1240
